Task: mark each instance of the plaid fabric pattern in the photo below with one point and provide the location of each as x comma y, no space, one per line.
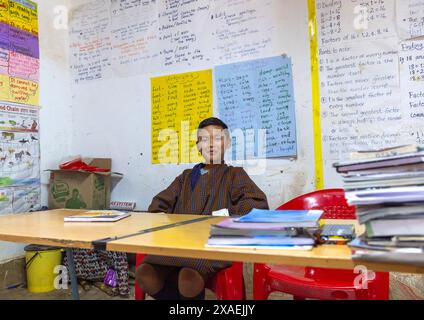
222,187
92,265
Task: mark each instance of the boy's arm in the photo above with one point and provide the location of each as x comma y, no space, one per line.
166,200
245,194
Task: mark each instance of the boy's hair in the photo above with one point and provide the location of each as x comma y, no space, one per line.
212,122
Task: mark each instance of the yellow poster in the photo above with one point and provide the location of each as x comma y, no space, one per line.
23,17
4,11
4,87
179,103
34,21
19,90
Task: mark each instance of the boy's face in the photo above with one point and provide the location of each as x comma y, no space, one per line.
212,142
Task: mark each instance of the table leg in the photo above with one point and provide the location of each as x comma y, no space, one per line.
72,274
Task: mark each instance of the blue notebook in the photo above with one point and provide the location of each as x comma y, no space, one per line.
282,216
261,241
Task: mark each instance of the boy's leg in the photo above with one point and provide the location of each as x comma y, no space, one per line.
153,279
191,284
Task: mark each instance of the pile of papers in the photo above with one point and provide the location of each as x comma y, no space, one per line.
283,229
388,192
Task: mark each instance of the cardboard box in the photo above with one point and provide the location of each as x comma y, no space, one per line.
77,189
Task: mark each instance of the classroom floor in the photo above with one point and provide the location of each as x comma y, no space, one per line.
94,293
402,287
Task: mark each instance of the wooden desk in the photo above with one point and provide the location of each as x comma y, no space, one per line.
189,241
48,228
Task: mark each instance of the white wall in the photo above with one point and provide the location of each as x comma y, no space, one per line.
111,118
55,102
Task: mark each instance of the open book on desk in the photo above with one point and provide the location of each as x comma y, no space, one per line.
97,216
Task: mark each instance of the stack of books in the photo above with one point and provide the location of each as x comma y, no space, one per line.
287,229
387,188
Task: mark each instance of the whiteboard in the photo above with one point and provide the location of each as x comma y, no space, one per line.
111,112
371,77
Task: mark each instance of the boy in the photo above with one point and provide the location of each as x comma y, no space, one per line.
208,187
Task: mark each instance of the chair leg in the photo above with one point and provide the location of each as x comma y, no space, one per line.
138,293
237,292
261,290
230,289
244,292
228,284
260,293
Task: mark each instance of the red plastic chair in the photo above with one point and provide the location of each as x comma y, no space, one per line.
228,284
318,283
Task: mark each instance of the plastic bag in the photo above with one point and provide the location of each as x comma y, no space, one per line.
79,164
110,278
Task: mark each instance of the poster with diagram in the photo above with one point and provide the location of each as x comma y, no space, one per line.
19,99
19,199
19,156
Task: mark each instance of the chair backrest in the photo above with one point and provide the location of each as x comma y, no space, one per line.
332,201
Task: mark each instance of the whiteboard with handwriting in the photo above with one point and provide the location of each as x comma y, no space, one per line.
116,52
126,38
410,17
257,98
371,77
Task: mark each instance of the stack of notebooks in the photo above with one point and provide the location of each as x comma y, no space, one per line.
281,229
387,188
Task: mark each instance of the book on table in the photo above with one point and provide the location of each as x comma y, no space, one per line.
385,195
384,181
221,230
260,241
290,218
97,216
278,229
410,226
393,211
385,152
407,159
387,188
412,255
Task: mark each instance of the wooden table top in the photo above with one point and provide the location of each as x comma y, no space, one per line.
48,228
189,241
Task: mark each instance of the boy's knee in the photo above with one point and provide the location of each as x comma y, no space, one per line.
190,282
148,279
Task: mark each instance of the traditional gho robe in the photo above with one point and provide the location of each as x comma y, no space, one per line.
198,192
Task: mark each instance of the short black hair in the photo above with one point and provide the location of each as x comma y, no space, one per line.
212,122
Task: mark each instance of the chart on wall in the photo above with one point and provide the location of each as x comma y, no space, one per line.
256,101
371,76
90,46
410,18
19,150
125,38
19,100
19,52
179,103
